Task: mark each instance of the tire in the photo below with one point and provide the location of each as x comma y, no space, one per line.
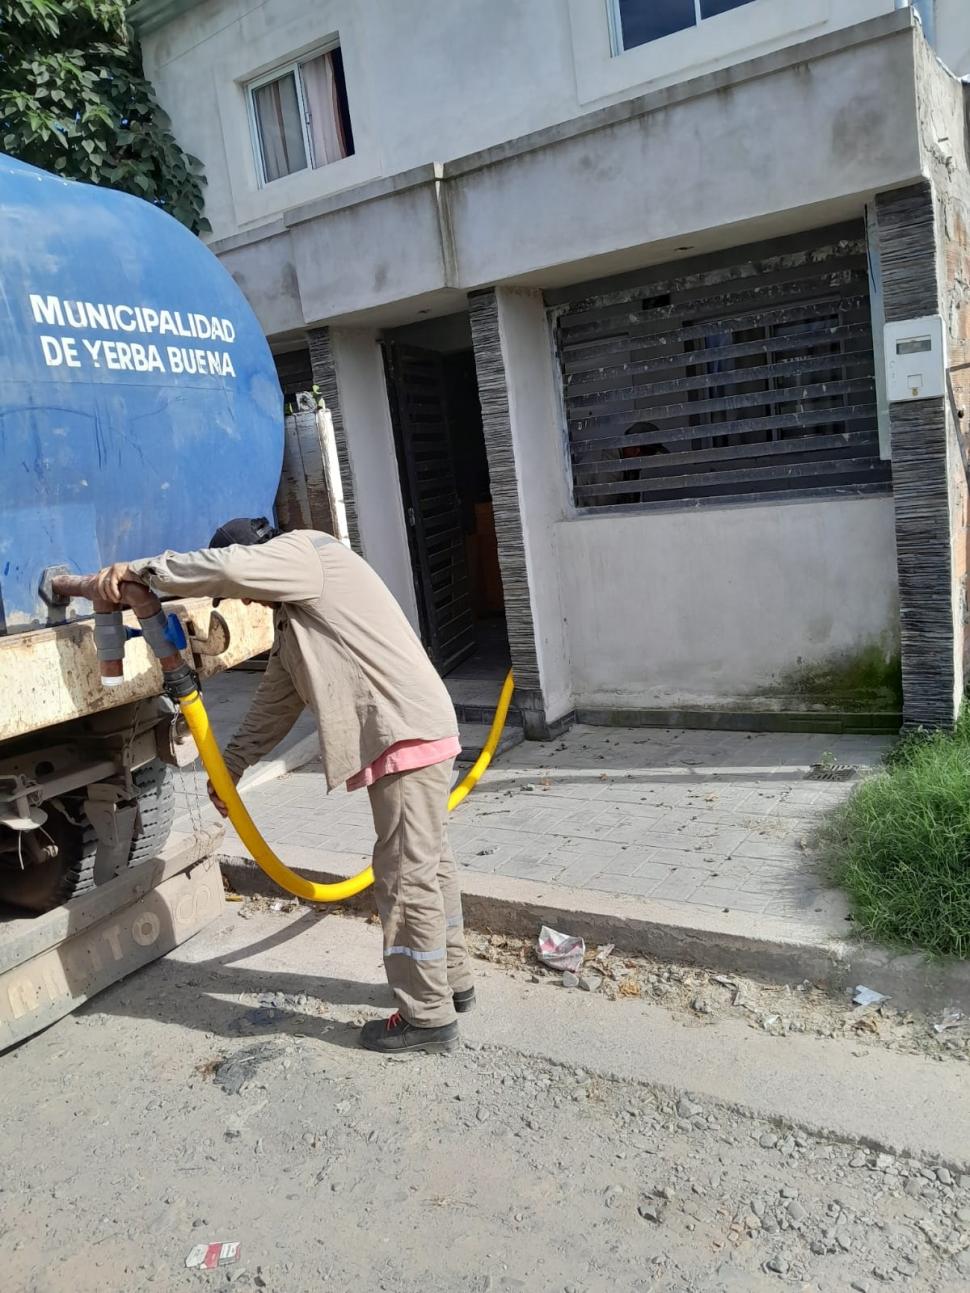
155,790
44,885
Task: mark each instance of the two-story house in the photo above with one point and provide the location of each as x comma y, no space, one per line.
602,286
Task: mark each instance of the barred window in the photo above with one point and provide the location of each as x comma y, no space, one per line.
751,378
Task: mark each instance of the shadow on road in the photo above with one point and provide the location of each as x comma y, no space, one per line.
193,994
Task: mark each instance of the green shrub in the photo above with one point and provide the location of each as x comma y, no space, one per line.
900,846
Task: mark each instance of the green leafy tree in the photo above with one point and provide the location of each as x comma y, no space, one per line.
74,100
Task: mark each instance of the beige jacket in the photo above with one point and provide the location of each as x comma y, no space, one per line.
343,647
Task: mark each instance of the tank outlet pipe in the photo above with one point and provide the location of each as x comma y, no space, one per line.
167,640
111,634
109,641
57,586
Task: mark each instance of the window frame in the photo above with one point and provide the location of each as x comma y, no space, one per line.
289,68
615,19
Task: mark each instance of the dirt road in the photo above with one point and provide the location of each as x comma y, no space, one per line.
219,1096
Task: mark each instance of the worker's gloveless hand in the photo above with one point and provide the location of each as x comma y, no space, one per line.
110,579
217,803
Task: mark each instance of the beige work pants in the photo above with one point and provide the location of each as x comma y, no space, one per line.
416,885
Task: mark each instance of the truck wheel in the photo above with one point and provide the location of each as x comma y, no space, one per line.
43,885
155,788
47,884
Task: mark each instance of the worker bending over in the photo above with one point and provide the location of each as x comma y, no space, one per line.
344,648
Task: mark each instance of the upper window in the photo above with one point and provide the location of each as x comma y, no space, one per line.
300,117
636,22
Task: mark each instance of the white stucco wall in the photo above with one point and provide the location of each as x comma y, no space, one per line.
793,139
752,29
377,490
432,80
782,141
710,607
701,607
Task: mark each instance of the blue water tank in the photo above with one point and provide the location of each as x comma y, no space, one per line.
139,402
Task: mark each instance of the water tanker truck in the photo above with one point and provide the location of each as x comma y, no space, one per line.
139,409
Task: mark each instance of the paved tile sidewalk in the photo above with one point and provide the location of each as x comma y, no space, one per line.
718,820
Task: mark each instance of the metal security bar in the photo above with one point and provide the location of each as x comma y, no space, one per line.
746,377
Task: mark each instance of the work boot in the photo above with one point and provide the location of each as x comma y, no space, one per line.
395,1036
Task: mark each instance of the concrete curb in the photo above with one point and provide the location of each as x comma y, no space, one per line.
765,947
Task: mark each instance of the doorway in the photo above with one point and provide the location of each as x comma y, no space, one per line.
443,465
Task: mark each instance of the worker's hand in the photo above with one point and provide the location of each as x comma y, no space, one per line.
110,579
217,803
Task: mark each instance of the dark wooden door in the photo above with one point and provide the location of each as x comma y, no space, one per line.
419,408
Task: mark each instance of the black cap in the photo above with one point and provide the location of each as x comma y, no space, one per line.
243,530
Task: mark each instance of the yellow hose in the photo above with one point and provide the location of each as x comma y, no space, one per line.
198,722
477,770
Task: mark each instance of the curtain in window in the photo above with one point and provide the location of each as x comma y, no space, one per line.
280,129
323,107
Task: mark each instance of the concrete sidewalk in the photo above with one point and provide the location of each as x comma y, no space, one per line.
687,846
714,821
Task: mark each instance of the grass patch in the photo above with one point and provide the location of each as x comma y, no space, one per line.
900,846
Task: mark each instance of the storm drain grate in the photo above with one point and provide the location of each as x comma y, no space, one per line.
830,772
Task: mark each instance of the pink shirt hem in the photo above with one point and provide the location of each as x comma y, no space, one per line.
406,756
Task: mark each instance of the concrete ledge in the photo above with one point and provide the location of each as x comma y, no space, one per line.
765,947
384,187
796,55
273,228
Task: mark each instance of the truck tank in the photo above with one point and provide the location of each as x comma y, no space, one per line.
139,409
139,405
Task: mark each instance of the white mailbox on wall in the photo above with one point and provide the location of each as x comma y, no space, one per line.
915,359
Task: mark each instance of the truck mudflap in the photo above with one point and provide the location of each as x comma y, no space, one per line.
50,675
51,964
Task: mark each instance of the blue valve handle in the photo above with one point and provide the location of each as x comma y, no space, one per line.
175,633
